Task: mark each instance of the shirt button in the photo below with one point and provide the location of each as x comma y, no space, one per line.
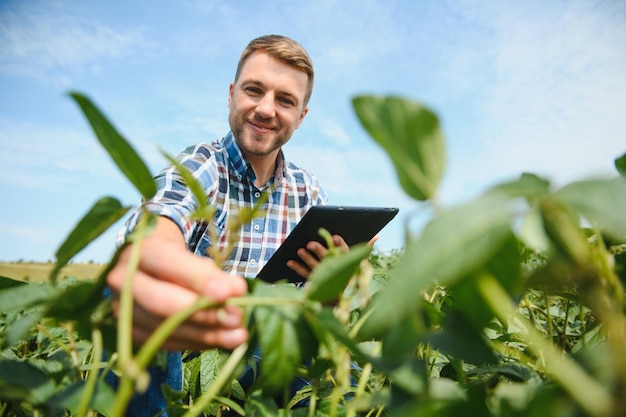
257,227
257,194
252,261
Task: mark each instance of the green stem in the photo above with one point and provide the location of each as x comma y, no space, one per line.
223,377
160,335
156,340
129,369
92,377
125,322
583,389
360,388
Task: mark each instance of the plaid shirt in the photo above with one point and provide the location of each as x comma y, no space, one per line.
228,182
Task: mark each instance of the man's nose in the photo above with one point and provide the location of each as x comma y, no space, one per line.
265,106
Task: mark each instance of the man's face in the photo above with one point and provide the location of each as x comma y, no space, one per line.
266,105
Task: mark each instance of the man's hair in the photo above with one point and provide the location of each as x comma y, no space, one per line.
285,50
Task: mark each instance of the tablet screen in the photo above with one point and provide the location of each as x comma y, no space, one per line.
354,224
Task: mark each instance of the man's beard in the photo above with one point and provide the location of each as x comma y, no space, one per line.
248,140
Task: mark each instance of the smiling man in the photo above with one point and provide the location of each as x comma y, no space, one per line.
268,101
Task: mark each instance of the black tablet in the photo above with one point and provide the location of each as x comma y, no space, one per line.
354,224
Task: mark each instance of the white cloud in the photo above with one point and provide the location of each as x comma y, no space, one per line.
550,98
40,40
37,156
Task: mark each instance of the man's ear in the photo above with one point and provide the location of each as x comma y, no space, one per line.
302,114
230,93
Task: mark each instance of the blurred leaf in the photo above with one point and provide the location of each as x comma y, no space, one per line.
452,246
528,186
330,277
400,341
411,376
504,265
325,323
562,226
6,282
76,302
411,135
23,381
204,211
104,213
260,406
620,164
512,371
127,160
462,340
602,202
70,398
20,328
26,296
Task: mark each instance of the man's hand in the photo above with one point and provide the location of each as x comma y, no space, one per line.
312,254
169,278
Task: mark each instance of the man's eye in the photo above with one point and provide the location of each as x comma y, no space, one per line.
287,102
252,90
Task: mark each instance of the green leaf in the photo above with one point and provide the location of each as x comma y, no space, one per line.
330,277
204,211
6,282
201,372
620,164
26,296
462,340
528,186
20,328
562,227
325,323
104,213
284,336
261,406
23,381
76,302
453,245
70,398
118,148
411,135
602,202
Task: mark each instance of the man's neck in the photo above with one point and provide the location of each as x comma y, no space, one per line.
264,168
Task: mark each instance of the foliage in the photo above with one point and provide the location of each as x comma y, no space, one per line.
511,304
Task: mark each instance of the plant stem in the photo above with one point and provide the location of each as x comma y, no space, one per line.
583,389
223,377
92,377
129,369
160,335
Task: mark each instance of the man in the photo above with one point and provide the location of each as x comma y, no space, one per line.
268,101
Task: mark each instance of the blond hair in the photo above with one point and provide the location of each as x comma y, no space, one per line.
285,50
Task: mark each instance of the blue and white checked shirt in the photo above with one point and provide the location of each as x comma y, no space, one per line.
228,182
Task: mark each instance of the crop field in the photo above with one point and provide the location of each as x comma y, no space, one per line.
38,271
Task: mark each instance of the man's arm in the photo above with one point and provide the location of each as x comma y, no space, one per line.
169,278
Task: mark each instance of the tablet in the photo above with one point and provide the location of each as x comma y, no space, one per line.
354,224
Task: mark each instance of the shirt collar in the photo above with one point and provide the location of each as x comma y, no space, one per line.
242,168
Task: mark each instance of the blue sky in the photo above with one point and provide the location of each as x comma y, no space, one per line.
529,86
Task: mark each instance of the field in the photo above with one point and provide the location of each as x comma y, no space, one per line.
38,271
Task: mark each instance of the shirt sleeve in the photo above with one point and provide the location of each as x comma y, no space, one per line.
174,198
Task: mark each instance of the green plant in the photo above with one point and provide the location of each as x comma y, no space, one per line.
502,306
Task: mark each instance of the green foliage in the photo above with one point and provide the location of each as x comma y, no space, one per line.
411,136
510,304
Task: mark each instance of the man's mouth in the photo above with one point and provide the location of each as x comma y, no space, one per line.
260,127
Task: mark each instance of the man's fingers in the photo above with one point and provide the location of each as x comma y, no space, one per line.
169,262
299,268
188,337
199,274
